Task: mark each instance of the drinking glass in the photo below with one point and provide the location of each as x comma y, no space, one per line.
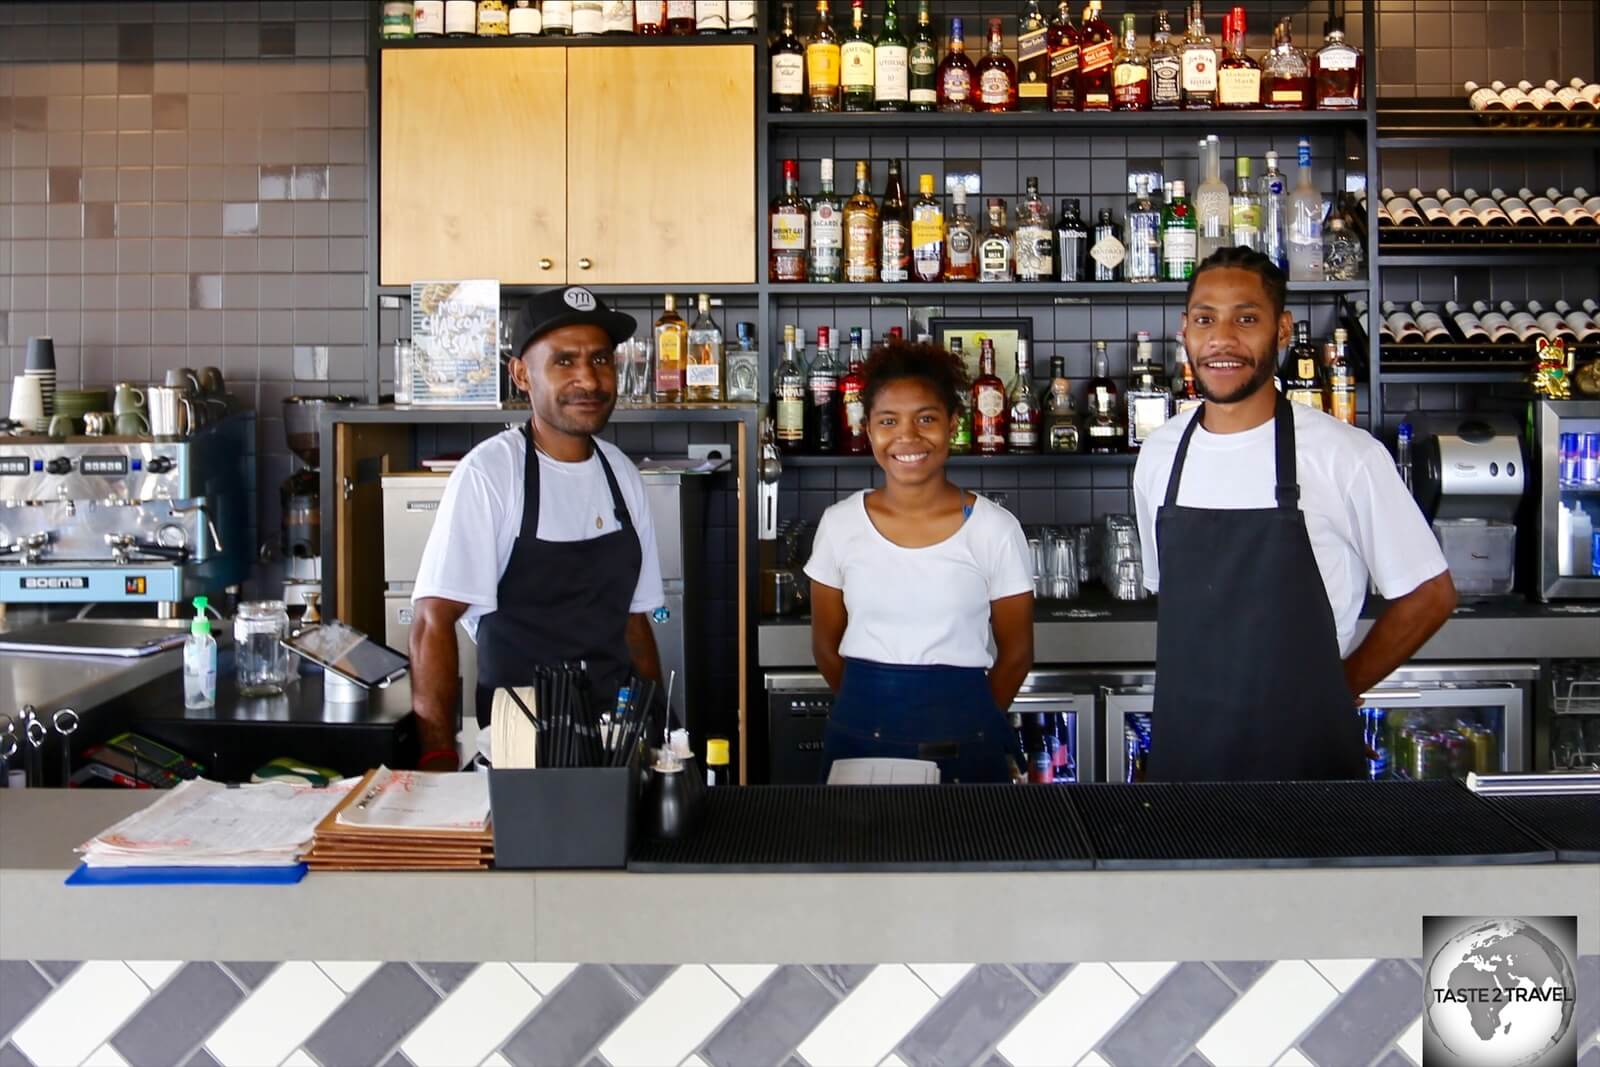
635,373
1041,567
1061,554
259,655
404,361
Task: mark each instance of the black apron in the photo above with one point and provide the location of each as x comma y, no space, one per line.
560,601
1249,681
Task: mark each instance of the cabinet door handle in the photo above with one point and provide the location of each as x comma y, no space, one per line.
546,263
585,263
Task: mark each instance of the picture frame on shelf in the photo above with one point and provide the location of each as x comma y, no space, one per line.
972,330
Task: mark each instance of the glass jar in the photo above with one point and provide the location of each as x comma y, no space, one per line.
259,656
404,363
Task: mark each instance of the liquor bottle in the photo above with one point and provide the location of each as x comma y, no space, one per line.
786,258
1035,244
493,19
961,429
1130,73
1500,329
825,258
1023,418
1515,208
1060,413
525,19
1591,204
1341,252
1385,334
1305,224
742,366
855,61
557,18
1199,56
927,233
1149,400
1299,380
1108,251
1275,214
955,73
961,242
1456,208
1166,67
460,18
702,372
1033,60
1400,208
891,87
997,75
894,230
650,20
1337,71
1468,329
1569,207
1487,212
1244,209
788,66
1177,236
1064,56
1103,428
1341,381
1431,207
1097,48
1580,320
1543,207
1434,331
861,231
587,18
1285,72
1185,390
711,16
1570,97
680,18
1238,76
617,18
1552,109
1072,244
1553,323
988,405
822,398
672,344
427,18
1401,323
1144,235
923,61
1210,201
995,247
852,408
742,16
822,62
789,397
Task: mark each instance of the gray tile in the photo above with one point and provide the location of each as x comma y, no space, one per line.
1586,1015
447,976
1591,1058
1395,1058
57,971
843,976
1170,1019
21,990
201,1058
1368,1018
1044,976
397,1060
178,1017
979,1011
277,38
251,975
99,220
572,1020
10,1056
387,1007
772,1021
135,41
66,185
643,977
1242,973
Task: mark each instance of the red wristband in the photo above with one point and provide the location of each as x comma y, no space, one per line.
426,756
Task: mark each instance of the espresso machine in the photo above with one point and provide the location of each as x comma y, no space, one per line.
127,519
299,497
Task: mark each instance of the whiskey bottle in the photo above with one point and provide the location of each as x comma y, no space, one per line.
460,18
1097,47
1177,236
702,373
1468,329
1238,76
822,398
923,61
1285,72
1580,320
997,74
1401,323
1524,324
927,233
1485,209
786,258
995,248
493,19
1571,208
1185,390
1552,323
1033,60
1035,245
789,397
1199,56
1064,55
1430,206
988,405
1543,208
1143,250
1337,71
891,88
1210,201
961,242
788,64
1166,68
822,62
1434,331
525,19
894,230
1244,208
1456,208
1341,381
1300,381
650,20
742,16
1516,208
1400,208
672,343
825,260
1023,417
1060,413
1130,75
587,18
680,18
711,16
961,429
1275,214
955,74
861,231
1072,244
1499,327
852,407
1104,428
855,61
427,18
1149,401
1108,252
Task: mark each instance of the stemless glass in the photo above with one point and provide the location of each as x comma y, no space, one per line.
259,656
634,373
1061,553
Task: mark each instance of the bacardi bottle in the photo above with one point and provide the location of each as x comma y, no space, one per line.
825,256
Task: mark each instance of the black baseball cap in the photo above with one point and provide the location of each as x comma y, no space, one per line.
570,305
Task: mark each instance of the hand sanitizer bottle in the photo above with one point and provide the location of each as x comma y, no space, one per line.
200,660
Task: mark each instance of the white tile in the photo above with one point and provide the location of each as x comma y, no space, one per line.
105,1056
476,1019
1410,1042
891,1060
1293,1058
545,976
1266,1020
298,1058
692,1061
1143,976
81,1014
871,1021
941,977
276,1019
347,975
1342,973
154,973
494,1059
1071,1019
1092,1060
744,977
674,1020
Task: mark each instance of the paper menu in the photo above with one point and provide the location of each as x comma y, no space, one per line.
412,800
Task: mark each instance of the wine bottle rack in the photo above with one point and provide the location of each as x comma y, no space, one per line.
1446,238
1449,360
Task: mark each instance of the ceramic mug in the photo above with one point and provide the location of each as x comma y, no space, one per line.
132,424
171,413
129,398
27,402
63,426
185,379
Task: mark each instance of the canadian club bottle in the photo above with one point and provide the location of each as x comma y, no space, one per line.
852,409
1301,383
988,406
1023,419
822,401
788,65
789,397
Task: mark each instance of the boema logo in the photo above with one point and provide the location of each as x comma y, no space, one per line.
1499,992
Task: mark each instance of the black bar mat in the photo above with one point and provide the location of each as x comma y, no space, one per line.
1570,824
1297,824
876,828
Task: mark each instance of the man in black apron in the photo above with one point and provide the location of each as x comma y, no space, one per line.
1250,683
556,601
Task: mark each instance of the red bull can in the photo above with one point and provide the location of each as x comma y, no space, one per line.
1589,459
1571,460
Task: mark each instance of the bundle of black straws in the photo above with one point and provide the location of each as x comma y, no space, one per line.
573,731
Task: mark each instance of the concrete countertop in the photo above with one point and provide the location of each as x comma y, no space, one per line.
604,917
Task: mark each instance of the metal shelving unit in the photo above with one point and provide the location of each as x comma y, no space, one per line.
1039,459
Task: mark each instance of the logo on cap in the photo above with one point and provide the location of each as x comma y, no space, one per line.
579,299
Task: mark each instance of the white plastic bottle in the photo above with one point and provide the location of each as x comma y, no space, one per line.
1564,541
200,660
1582,542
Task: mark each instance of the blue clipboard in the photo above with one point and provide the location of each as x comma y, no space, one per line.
85,875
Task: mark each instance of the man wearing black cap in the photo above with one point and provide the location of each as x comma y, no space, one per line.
543,545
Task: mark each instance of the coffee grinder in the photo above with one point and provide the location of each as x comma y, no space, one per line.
300,499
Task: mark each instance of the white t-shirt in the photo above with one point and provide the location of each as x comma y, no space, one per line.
481,514
1360,517
920,606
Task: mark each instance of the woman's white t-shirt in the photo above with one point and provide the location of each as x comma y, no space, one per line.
920,606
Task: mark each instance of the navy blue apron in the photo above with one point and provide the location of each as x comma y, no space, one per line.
560,601
1249,681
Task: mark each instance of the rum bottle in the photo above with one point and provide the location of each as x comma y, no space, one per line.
1033,60
961,241
1166,68
786,258
955,73
861,231
1239,76
1064,56
1104,429
894,230
988,405
1337,71
672,344
995,249
1023,417
823,418
855,61
997,74
825,256
1060,413
923,61
822,62
788,65
1130,77
852,409
1097,46
789,397
927,233
703,370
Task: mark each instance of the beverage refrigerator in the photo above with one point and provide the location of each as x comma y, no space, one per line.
1566,440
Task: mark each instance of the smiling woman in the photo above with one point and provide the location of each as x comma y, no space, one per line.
922,593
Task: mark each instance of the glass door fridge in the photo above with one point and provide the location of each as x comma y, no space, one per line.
1567,443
